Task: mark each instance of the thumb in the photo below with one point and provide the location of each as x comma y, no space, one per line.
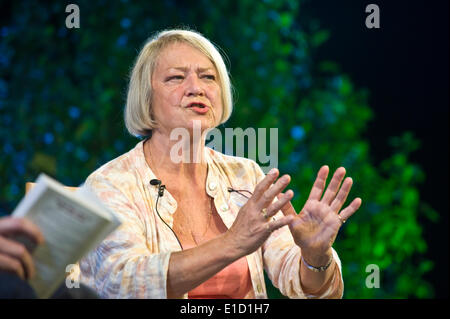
287,209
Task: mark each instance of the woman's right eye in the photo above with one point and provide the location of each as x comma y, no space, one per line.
175,77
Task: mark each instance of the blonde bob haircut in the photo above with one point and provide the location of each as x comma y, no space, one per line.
139,119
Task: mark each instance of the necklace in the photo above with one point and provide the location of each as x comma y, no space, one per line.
195,238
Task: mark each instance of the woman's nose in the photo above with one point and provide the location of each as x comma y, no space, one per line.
194,86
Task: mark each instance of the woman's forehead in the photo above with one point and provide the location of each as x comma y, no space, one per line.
183,56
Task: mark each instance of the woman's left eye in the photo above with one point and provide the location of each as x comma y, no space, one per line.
209,77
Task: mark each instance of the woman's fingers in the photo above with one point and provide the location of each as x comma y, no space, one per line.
287,209
333,187
269,195
283,221
282,201
341,197
319,183
265,184
350,209
12,249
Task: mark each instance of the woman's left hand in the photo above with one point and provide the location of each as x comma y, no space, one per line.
316,227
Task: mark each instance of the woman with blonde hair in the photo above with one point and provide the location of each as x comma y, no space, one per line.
205,228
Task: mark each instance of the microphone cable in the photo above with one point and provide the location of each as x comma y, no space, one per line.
160,194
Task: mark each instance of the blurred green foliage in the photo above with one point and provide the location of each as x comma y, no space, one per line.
62,93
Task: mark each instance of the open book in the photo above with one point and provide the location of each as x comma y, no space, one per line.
73,223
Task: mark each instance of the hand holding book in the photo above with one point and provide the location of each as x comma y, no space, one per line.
72,224
18,239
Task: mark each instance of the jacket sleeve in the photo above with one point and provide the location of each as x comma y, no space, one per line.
281,257
122,266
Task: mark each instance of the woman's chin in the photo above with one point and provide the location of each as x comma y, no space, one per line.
192,127
200,125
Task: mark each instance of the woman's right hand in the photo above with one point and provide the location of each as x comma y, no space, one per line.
14,256
251,228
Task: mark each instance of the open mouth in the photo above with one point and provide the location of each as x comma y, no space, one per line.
199,105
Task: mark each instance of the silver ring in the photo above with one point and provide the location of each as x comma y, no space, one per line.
342,220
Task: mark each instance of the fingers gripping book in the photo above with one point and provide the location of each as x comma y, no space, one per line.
73,223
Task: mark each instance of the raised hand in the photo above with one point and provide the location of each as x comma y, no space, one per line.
316,226
253,224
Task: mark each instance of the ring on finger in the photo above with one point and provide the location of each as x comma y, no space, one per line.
341,219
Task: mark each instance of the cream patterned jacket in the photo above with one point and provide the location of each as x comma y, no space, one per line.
133,261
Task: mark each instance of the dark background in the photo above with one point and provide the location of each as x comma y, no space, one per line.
404,64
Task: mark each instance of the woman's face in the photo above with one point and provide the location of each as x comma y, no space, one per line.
185,89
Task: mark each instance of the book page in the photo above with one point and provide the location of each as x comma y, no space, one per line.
68,228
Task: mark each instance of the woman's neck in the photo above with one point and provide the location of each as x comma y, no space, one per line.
183,159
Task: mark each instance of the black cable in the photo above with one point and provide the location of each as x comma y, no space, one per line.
239,191
156,207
